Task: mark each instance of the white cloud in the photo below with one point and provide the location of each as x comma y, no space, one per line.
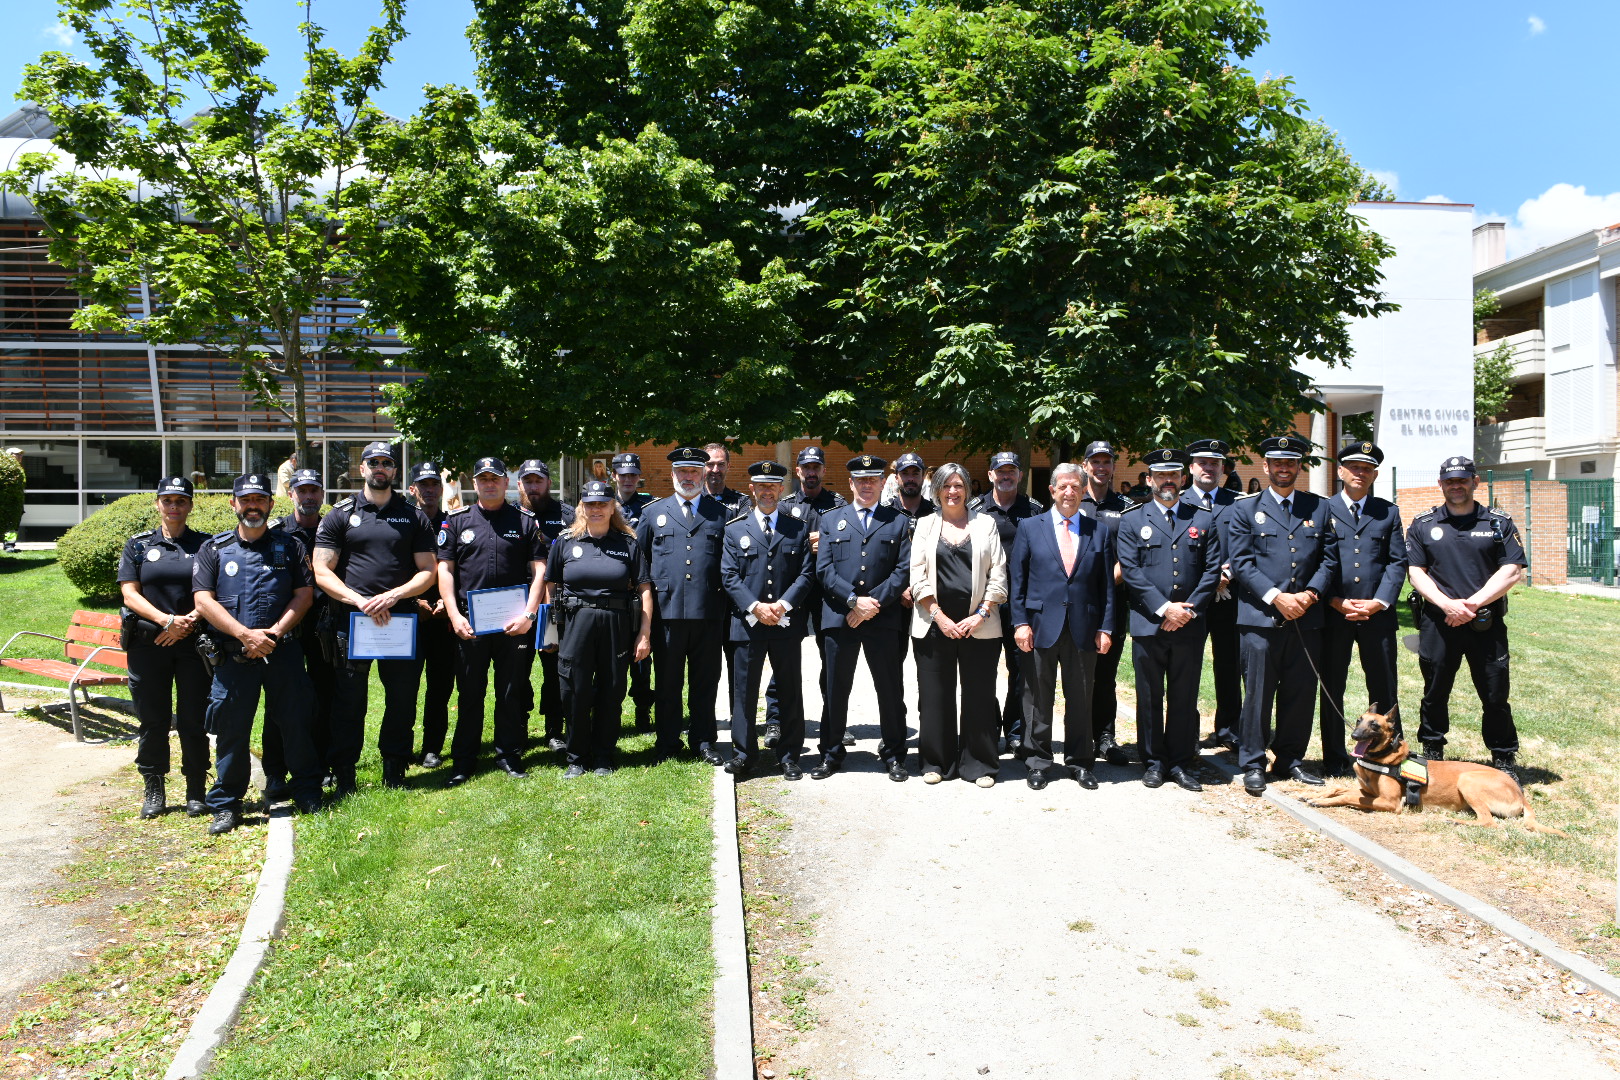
1558,214
1388,177
1538,25
62,34
1436,198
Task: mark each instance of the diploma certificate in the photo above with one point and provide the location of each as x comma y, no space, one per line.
545,631
368,641
489,610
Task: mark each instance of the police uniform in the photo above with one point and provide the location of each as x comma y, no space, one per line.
376,548
735,502
925,507
435,641
683,552
767,559
491,549
1006,521
1372,566
1168,555
1105,677
1461,554
796,505
1280,546
596,585
553,516
257,582
1224,659
641,685
163,674
317,663
856,559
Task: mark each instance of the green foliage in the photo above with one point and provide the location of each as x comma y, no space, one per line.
1486,305
12,482
89,551
1493,382
1358,425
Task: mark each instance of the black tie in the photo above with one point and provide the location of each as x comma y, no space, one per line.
1207,505
1355,512
866,519
770,533
686,509
1288,507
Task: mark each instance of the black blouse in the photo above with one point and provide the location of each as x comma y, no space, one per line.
953,571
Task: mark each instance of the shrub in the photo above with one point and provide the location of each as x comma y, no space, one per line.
89,552
12,482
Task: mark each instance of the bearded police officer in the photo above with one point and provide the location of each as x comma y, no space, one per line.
908,496
632,501
252,584
714,480
682,536
308,493
1206,461
1361,607
812,500
1284,559
1102,502
435,641
553,516
491,545
1464,558
373,554
1007,506
1170,558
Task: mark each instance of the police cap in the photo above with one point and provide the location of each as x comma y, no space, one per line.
1168,459
688,457
867,465
425,470
305,477
174,485
1453,467
596,491
812,455
626,463
1361,450
490,465
767,472
1285,447
250,484
908,460
1101,446
1209,448
379,448
534,467
1006,457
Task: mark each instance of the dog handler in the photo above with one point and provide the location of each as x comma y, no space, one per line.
1464,558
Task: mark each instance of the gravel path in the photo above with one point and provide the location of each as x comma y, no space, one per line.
1115,933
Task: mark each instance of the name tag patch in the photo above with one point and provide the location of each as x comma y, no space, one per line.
231,568
153,555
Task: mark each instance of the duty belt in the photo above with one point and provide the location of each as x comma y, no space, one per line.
601,603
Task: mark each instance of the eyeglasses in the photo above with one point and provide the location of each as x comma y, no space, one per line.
379,463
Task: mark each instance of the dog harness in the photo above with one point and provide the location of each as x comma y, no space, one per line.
1413,773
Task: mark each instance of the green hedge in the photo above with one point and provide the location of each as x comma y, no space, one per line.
89,552
12,482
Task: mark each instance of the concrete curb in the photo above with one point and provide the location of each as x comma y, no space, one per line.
733,1008
1404,872
212,1024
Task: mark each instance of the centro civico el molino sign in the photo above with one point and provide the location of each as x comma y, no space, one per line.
1432,421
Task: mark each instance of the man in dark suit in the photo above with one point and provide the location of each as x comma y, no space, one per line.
863,562
1284,559
766,570
1061,576
682,535
1361,606
1206,462
1170,559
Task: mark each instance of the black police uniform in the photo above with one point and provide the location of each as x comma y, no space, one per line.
1225,661
683,553
376,548
1174,558
796,505
735,502
766,566
322,677
255,582
641,682
597,600
553,516
924,508
1461,554
436,646
492,549
1105,676
158,673
1012,711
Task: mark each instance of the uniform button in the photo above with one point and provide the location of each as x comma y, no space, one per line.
768,581
1358,564
863,568
688,577
1292,549
1175,573
1172,547
1358,579
1175,560
1293,564
1290,536
688,562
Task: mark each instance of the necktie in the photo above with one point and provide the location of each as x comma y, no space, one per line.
1355,512
1288,507
866,519
1169,519
1068,545
1207,504
770,533
686,508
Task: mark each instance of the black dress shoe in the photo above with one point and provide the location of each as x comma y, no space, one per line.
1254,781
1185,779
897,771
307,806
1298,773
791,770
1036,779
556,746
1085,777
430,760
393,772
849,740
1113,753
457,779
643,719
1345,771
573,772
224,821
773,732
824,770
276,791
714,757
1014,745
737,766
602,770
1154,777
513,769
196,808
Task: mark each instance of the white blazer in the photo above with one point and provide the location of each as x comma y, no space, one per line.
989,570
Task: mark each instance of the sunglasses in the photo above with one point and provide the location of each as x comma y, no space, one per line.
379,463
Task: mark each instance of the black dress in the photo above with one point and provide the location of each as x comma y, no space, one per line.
950,743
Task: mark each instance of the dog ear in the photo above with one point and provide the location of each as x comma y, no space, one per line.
1374,707
1393,711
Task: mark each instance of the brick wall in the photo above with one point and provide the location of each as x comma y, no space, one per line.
1543,530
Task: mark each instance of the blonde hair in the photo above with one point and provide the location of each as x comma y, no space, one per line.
577,529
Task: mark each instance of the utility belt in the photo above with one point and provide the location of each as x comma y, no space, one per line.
136,632
1487,617
567,603
216,648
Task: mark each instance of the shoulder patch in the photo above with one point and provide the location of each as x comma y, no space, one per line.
1245,495
143,532
1494,512
220,539
459,510
345,503
525,510
1429,513
740,517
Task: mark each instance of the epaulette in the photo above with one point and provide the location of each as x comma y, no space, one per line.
1433,510
346,503
525,510
143,532
459,510
1245,495
740,517
220,539
1498,512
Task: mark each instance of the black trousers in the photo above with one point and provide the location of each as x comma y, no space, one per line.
1375,640
234,698
1012,710
1441,651
511,657
747,667
1277,667
841,649
1076,666
686,654
323,690
771,710
158,676
436,644
551,706
1226,664
957,742
396,734
593,667
1169,666
1105,690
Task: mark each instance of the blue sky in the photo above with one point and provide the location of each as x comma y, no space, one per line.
1494,102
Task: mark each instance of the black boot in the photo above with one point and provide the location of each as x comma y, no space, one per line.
1505,760
1434,749
196,792
343,783
156,799
393,772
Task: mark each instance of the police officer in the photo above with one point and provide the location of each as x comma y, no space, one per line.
863,562
599,587
1207,462
252,584
766,570
435,641
812,500
908,496
491,544
553,516
1170,558
632,501
714,480
1007,506
683,535
1284,559
1361,607
1102,502
159,616
307,493
1464,558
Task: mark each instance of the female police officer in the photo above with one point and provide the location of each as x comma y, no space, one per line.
154,575
602,590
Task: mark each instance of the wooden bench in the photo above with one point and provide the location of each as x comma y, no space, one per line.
91,639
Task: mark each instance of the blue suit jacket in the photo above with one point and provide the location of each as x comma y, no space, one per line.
685,557
754,571
1161,564
1050,602
1287,552
1372,552
875,563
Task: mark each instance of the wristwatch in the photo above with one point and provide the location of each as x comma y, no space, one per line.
531,615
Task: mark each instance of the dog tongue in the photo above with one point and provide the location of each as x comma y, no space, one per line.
1361,748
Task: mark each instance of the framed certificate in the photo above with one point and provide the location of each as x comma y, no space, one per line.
489,610
368,641
545,631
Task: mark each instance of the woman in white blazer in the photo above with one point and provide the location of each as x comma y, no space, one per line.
958,580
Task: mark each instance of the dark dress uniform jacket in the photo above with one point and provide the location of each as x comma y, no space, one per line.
1221,501
875,563
753,570
685,556
1180,564
1287,552
1372,552
1047,601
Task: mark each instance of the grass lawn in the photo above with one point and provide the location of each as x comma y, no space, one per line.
36,595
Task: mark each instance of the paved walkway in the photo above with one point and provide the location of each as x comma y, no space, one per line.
1067,933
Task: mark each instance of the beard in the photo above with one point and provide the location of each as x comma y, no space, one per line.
309,508
1166,493
688,491
378,482
911,491
251,518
